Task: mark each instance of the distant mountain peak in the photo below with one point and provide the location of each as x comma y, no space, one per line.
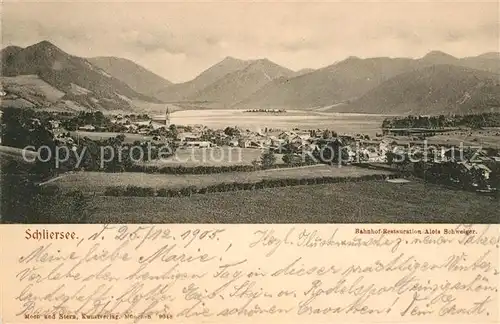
10,51
231,59
44,44
260,61
264,63
432,55
347,61
45,47
263,60
490,55
352,58
12,48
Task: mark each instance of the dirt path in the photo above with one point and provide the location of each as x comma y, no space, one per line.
299,167
53,179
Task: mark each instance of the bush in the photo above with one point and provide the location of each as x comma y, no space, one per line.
172,193
162,192
268,159
49,190
135,191
192,190
114,191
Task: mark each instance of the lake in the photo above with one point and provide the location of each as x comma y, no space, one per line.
339,122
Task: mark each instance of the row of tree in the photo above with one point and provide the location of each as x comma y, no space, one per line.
474,121
135,191
96,119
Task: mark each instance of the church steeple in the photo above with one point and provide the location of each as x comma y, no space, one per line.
167,117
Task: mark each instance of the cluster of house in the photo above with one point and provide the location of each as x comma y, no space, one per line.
474,162
143,126
470,167
200,137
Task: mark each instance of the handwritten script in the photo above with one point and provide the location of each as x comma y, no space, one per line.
253,272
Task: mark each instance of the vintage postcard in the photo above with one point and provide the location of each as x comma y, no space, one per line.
250,161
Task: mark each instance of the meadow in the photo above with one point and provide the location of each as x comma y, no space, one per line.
484,138
212,157
375,201
97,182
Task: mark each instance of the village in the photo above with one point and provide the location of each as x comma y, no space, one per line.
265,158
465,166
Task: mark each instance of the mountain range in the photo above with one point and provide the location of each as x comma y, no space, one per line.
349,79
135,76
80,84
436,89
44,75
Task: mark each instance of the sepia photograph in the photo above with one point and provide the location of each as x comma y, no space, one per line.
250,112
252,161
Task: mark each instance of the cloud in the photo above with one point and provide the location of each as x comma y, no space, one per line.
165,40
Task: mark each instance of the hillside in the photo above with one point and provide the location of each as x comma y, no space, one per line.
433,90
135,76
487,62
82,83
28,91
181,91
238,85
438,57
351,78
8,53
490,55
326,86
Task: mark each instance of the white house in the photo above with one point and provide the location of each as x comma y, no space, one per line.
55,124
88,128
233,142
286,135
143,123
200,144
188,136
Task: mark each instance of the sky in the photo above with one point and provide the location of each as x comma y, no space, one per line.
179,40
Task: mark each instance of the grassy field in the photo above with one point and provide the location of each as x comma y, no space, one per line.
361,202
484,138
190,157
98,181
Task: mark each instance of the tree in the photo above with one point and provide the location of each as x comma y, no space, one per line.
268,159
495,177
291,159
389,157
173,132
230,131
327,134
